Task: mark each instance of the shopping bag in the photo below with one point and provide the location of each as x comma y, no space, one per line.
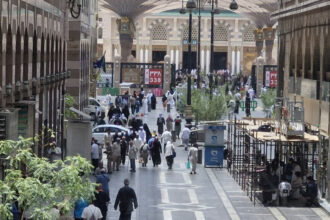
188,164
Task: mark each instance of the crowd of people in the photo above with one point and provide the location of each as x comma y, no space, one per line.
138,144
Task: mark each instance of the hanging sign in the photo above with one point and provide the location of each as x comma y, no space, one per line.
153,76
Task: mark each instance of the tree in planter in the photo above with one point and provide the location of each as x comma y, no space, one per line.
38,185
69,102
268,100
205,107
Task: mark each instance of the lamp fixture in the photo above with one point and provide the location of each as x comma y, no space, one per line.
18,85
191,4
9,89
182,10
26,85
233,5
72,5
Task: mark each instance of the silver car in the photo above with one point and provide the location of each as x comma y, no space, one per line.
100,130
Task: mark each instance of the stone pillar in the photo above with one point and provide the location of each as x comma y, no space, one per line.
233,61
259,73
259,38
172,56
208,60
116,71
146,55
269,36
126,43
141,55
167,73
238,62
202,59
177,58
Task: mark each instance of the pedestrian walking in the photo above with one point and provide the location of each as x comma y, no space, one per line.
132,102
102,201
248,105
185,137
166,137
156,150
142,134
164,100
144,154
169,154
177,126
123,149
95,154
153,102
147,130
126,197
160,124
107,143
145,105
91,212
103,179
192,158
169,123
79,207
132,155
116,153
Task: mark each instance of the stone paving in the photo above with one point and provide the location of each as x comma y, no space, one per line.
212,194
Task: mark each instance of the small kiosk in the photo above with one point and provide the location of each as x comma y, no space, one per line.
214,145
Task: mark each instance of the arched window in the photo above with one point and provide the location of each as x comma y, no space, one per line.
26,56
100,33
220,33
159,32
248,34
42,56
316,58
34,54
18,56
47,55
194,34
9,56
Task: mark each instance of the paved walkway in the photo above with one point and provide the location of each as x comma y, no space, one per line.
212,194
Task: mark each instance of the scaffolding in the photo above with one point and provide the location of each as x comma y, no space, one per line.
252,152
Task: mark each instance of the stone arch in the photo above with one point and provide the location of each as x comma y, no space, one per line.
225,25
162,22
194,33
185,26
159,32
247,32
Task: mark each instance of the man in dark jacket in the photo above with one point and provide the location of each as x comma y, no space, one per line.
102,201
311,192
125,197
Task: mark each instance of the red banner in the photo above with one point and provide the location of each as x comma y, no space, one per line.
273,79
155,76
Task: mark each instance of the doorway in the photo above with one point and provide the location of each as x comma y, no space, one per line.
220,60
158,56
185,60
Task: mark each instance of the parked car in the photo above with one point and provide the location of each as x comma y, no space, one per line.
101,130
90,109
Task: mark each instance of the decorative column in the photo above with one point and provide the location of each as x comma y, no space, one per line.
202,60
141,54
172,56
146,55
238,62
167,73
208,60
233,60
177,57
269,36
126,33
259,38
116,71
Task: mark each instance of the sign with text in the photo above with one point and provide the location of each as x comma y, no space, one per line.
153,76
270,76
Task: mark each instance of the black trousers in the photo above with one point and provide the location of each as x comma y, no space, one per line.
125,216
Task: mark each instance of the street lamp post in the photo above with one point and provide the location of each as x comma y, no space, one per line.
190,6
214,10
199,46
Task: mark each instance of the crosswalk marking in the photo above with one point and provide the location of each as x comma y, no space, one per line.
276,213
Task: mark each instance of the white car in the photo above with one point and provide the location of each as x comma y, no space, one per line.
92,104
101,130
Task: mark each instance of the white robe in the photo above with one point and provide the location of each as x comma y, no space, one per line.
145,106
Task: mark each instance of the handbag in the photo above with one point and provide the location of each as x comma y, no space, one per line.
188,164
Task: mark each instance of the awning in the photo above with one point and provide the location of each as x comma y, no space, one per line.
82,114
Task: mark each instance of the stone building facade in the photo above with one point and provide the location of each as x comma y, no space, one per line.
166,33
33,71
304,51
82,51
